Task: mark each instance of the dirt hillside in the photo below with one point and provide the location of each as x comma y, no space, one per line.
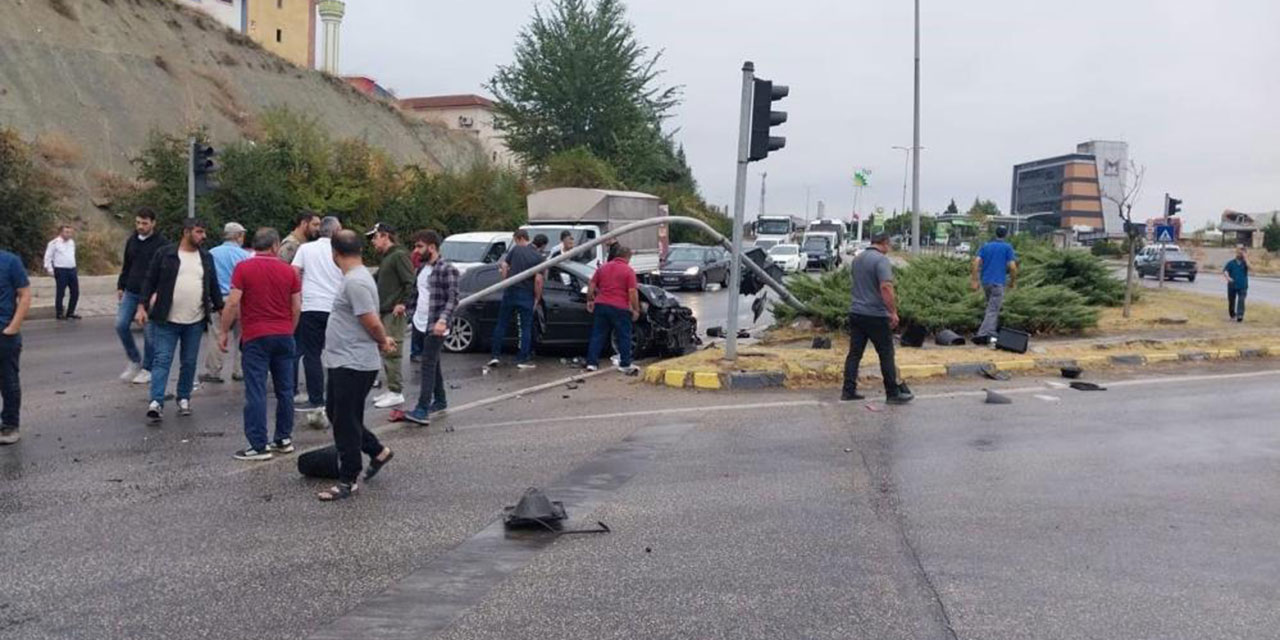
87,80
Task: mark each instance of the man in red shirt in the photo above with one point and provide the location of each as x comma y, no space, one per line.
613,298
266,296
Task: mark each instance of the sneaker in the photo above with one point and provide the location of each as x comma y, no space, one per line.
306,405
9,435
130,372
616,360
494,362
252,454
851,396
184,407
143,377
378,398
282,445
526,365
1239,318
155,412
301,398
439,406
417,416
900,398
237,377
592,367
628,370
377,384
73,316
389,400
209,377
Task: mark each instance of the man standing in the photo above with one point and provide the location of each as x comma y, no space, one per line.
996,265
321,279
355,334
614,300
225,258
417,256
522,298
138,252
873,315
434,299
15,301
395,285
305,229
180,294
60,261
1237,274
566,244
266,300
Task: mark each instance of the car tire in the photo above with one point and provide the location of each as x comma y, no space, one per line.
702,282
641,342
1191,278
462,335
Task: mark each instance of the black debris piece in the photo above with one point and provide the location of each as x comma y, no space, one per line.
991,372
1071,371
948,338
535,509
913,336
715,332
454,386
1086,386
743,333
321,463
996,398
757,307
821,342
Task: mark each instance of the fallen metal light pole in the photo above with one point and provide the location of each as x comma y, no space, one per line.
640,224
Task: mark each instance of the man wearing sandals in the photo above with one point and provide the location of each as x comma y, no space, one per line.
353,336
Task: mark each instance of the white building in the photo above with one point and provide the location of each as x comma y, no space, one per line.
1112,158
470,113
232,13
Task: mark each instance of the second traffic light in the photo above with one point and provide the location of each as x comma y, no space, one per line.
1172,206
203,167
764,118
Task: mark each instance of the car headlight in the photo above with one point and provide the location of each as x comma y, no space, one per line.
691,271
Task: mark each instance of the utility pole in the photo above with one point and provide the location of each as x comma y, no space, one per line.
764,180
739,204
915,146
191,177
906,169
806,202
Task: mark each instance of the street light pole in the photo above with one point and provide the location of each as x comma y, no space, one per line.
915,146
739,205
906,169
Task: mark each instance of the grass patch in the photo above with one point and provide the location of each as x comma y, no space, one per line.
59,150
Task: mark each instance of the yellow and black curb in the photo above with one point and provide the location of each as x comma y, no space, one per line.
672,375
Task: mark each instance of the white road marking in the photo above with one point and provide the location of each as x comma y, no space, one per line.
653,412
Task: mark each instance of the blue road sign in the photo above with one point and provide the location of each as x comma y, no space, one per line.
1165,234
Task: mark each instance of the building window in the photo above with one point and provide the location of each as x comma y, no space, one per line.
279,4
279,35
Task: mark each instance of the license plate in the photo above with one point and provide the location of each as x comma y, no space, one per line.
671,281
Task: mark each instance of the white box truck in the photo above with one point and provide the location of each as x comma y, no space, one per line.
590,213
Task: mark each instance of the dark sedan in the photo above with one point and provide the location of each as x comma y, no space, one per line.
691,266
819,254
562,322
1176,264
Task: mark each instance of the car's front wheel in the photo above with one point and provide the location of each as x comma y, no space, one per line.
462,335
1191,278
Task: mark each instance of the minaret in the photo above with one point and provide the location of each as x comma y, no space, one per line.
331,15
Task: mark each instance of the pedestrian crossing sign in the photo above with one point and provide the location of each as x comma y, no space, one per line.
1164,234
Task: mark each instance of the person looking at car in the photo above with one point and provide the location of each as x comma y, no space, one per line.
433,300
395,285
566,244
614,300
1237,275
995,266
873,315
522,298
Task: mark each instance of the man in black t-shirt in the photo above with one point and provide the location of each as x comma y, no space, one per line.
522,297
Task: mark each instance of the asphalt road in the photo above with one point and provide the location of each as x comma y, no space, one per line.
1265,290
1146,511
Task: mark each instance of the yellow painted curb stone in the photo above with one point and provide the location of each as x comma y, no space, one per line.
1016,365
1227,354
1093,361
706,380
654,375
675,378
1162,357
918,371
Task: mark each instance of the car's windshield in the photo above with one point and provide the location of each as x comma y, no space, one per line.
686,254
784,250
773,227
813,244
457,251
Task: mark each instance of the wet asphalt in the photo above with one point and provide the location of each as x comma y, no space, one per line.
1145,511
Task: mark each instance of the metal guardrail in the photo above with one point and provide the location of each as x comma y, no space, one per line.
640,224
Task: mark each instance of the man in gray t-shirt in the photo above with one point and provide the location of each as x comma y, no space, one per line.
873,315
352,339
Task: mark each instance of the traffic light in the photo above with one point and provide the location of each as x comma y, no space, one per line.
203,167
1172,206
764,118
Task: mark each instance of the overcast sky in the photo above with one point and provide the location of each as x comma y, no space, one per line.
1193,87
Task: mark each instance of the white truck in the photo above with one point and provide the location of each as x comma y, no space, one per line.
590,213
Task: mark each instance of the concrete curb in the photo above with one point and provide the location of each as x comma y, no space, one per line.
714,380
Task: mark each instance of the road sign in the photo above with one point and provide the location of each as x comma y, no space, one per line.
1165,234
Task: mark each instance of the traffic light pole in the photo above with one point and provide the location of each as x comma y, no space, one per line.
915,150
1163,245
191,177
739,204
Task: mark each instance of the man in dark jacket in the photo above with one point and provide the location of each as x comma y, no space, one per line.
434,299
181,294
138,252
395,284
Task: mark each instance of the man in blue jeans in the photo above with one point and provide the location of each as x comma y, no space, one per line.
521,298
614,299
181,295
995,267
1237,274
138,252
266,299
15,301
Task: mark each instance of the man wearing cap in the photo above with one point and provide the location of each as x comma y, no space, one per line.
225,258
395,284
873,316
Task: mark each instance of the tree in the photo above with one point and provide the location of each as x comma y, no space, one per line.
578,167
1271,236
982,210
1124,202
580,78
951,208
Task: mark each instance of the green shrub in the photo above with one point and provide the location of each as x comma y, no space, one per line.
1078,271
1047,309
26,201
1106,249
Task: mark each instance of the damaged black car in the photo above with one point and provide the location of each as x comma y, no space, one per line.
562,322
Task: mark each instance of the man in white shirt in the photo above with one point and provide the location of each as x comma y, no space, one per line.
566,244
321,281
60,262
